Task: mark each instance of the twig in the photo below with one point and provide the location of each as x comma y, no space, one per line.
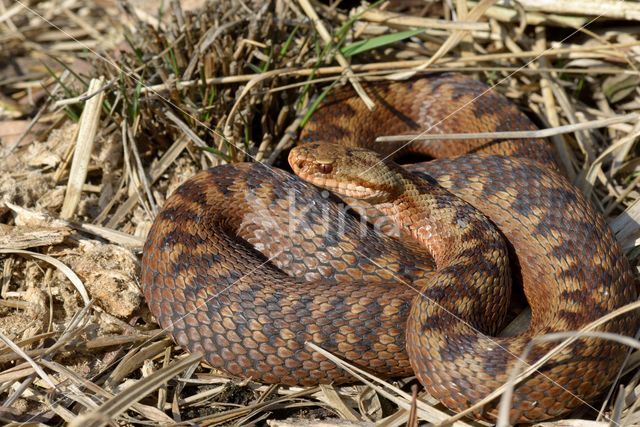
451,41
542,133
84,97
398,19
326,37
391,65
83,149
604,8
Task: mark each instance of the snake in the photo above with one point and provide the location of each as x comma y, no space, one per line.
246,263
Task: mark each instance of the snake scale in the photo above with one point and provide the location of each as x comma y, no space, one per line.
245,263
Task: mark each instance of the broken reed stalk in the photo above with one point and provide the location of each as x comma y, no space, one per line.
84,146
541,133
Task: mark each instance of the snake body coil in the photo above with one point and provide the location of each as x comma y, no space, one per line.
246,263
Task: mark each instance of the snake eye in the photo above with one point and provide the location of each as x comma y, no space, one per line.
325,168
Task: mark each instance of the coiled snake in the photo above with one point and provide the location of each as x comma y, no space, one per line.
245,263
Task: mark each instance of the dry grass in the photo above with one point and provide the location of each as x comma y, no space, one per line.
105,108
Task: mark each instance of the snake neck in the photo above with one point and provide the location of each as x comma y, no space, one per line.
465,245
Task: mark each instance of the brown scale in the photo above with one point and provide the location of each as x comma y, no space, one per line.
219,261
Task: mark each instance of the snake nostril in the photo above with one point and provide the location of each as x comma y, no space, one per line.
300,164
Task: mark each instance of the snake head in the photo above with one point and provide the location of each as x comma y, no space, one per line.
348,171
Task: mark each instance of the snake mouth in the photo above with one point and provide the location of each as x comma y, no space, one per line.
348,189
322,168
340,187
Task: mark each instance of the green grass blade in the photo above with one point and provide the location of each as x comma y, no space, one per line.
375,42
316,103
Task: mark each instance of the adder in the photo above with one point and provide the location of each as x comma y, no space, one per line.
245,263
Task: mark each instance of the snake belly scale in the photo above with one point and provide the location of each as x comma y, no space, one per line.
246,263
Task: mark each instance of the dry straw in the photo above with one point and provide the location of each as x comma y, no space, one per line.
119,103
